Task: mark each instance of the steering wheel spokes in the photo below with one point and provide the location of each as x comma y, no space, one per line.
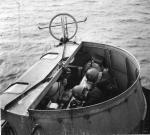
67,23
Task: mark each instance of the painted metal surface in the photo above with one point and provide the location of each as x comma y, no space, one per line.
121,114
15,105
35,75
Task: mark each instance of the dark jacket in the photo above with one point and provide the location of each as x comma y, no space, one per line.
108,87
93,97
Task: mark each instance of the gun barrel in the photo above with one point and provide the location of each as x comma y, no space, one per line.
65,24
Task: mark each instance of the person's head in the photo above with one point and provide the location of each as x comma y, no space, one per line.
66,96
79,92
92,64
98,59
93,75
96,66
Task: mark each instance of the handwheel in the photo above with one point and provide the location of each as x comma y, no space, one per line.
62,20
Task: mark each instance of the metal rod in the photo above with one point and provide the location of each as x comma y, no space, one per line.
60,25
63,26
66,28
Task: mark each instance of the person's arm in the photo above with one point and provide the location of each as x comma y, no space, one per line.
93,97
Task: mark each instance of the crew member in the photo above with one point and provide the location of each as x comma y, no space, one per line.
95,94
93,76
94,63
108,85
66,96
78,95
103,81
91,95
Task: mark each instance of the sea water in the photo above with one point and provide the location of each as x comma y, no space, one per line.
124,23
